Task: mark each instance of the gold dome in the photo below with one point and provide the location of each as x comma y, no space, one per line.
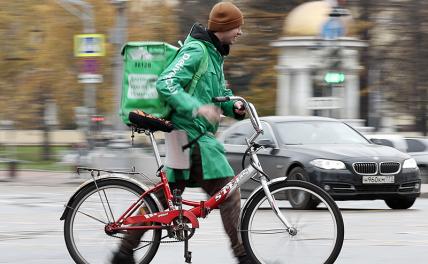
307,19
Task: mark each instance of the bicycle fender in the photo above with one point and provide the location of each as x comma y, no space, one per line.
254,193
103,178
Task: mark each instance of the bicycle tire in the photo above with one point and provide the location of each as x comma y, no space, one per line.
90,251
277,251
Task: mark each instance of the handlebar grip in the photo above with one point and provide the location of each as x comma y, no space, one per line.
220,99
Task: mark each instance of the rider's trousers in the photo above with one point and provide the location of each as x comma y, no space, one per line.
229,209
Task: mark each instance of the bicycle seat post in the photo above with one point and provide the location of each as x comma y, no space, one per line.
155,148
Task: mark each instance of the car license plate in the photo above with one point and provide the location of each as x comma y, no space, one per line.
378,179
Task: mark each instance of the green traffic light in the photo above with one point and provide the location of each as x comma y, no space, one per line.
334,77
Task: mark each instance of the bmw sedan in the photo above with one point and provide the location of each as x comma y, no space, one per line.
330,154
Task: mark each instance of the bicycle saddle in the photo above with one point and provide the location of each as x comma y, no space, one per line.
146,121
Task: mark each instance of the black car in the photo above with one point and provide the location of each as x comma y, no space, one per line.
330,154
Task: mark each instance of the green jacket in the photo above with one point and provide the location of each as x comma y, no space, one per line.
170,86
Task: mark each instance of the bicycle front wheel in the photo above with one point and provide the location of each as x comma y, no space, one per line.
316,237
93,208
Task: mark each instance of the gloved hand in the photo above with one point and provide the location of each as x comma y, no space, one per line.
210,112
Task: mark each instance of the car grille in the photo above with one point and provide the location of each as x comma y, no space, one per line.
366,168
389,167
371,168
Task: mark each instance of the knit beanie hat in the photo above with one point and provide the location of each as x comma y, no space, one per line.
225,16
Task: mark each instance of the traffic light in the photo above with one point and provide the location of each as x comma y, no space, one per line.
334,66
334,77
97,122
97,118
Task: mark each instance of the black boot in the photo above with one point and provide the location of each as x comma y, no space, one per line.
245,260
122,258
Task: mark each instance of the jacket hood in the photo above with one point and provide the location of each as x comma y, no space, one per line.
199,32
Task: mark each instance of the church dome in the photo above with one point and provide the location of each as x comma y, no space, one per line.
307,19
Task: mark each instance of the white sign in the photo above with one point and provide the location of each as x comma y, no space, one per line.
142,86
90,78
316,103
89,45
378,179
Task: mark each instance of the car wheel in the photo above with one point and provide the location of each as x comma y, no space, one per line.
400,202
301,200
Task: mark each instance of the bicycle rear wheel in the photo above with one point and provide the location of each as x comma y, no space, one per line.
318,234
85,237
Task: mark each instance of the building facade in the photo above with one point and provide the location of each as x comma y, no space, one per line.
318,65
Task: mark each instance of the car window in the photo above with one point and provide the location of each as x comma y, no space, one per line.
267,133
318,132
238,134
414,145
246,130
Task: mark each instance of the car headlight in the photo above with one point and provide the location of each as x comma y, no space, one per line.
328,164
410,164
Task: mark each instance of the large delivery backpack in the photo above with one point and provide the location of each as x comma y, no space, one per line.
143,63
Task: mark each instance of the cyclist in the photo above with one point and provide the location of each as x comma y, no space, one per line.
196,115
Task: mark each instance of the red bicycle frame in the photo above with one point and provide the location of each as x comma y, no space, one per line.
200,209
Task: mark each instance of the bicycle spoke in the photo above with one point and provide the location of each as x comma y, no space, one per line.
267,232
141,247
90,216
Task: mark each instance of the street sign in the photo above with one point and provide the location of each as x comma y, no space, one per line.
318,103
332,29
89,65
90,78
89,45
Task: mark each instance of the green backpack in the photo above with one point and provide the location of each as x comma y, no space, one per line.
143,63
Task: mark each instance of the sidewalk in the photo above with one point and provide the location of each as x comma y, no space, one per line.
50,178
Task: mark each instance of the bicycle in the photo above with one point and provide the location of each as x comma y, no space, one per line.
105,208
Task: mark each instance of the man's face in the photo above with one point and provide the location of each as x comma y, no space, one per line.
230,37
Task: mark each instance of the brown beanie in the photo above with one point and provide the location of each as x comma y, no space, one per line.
225,16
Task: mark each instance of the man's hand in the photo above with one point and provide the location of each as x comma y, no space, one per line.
210,113
239,108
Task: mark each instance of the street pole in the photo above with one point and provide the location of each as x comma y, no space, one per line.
83,11
120,35
419,74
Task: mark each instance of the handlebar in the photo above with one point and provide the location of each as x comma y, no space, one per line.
251,110
220,99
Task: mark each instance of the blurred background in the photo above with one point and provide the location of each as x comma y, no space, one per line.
60,68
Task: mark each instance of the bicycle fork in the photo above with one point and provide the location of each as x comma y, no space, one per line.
272,202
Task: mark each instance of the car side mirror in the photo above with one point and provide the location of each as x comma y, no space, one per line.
375,141
381,141
268,143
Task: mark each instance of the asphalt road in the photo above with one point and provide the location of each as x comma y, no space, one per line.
30,230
